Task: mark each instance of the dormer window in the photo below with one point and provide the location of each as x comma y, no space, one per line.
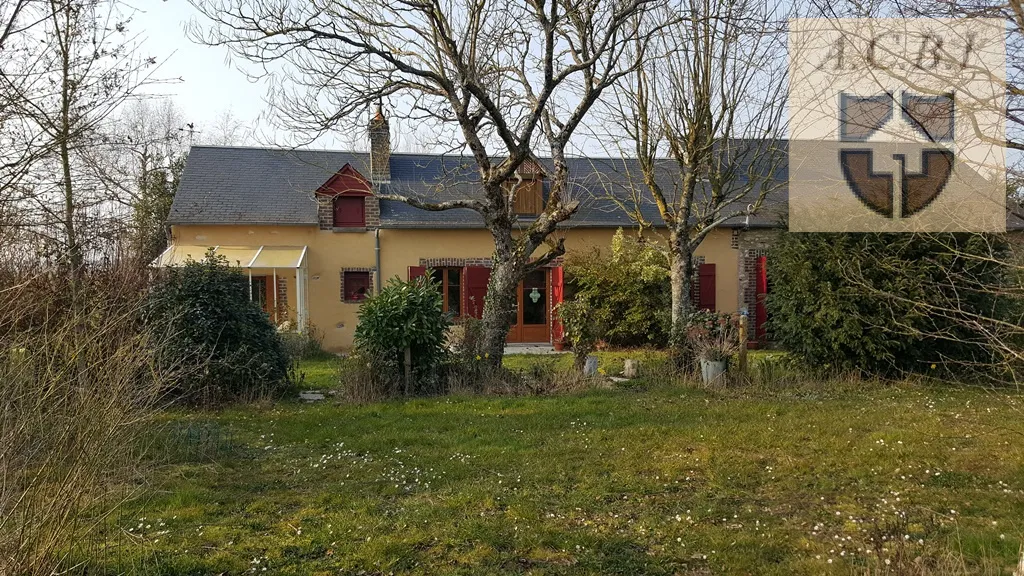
342,201
529,192
529,199
349,212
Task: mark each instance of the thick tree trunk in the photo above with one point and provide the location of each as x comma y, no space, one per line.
500,302
681,266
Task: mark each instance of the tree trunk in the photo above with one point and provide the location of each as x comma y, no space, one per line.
681,266
75,255
500,302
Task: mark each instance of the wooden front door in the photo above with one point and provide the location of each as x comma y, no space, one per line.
533,310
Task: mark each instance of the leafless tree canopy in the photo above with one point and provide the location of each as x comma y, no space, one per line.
68,67
703,116
501,81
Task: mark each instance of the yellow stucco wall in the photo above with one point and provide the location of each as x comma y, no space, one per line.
330,252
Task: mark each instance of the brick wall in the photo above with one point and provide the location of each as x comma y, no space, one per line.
695,280
460,262
282,300
752,244
372,208
325,211
454,262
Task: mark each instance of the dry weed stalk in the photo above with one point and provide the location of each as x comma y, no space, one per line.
78,387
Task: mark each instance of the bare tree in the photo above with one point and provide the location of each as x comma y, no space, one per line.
226,130
703,115
496,79
73,70
20,21
150,141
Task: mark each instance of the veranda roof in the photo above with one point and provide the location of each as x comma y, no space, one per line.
237,256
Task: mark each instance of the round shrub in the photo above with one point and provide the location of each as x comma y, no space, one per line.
221,344
885,304
405,315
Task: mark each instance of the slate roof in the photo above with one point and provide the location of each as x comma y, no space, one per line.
231,185
237,185
240,185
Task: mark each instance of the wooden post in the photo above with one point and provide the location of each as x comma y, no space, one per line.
743,344
408,371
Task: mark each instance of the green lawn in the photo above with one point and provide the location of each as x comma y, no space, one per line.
653,479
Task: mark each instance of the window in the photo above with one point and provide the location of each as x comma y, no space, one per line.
259,292
450,281
529,198
356,286
349,212
535,298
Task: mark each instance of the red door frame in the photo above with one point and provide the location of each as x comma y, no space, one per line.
557,297
520,333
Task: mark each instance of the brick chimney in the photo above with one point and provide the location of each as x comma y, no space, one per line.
380,148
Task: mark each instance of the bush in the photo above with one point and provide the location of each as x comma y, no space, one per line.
885,304
78,392
631,285
222,343
306,345
583,327
405,315
713,336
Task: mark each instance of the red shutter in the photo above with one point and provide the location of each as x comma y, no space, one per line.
761,291
475,279
417,271
557,296
707,287
349,212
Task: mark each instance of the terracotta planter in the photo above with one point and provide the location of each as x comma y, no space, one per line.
558,345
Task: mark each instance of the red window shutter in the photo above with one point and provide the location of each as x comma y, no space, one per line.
475,279
417,271
557,296
707,287
761,291
349,212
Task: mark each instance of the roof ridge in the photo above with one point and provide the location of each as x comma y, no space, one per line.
396,153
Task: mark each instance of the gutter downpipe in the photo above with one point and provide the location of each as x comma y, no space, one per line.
376,250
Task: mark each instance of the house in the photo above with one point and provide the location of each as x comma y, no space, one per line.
308,230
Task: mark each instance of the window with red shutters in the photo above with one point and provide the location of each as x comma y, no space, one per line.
349,212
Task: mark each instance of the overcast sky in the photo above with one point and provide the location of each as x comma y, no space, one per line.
211,85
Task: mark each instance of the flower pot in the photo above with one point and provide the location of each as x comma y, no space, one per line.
559,345
713,371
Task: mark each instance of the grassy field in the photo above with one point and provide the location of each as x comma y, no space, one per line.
651,479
